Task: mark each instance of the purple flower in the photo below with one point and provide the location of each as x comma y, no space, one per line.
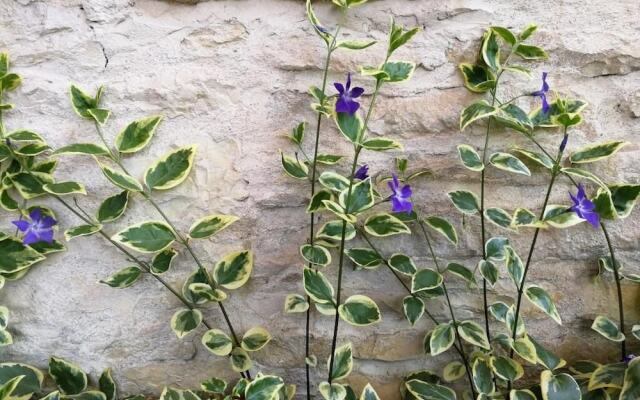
346,102
542,93
362,173
584,207
401,197
39,229
628,358
563,144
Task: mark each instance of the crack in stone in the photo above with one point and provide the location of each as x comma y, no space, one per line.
95,37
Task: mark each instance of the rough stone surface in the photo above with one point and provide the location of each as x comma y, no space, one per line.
232,76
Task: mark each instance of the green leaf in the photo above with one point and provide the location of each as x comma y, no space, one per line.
317,286
525,218
295,303
413,309
495,248
121,179
316,204
499,217
161,262
265,387
429,391
442,338
541,299
462,272
355,44
559,387
9,387
491,50
365,258
506,368
82,102
172,394
107,385
29,384
315,23
466,202
10,82
100,115
81,230
328,159
342,362
368,393
470,158
529,52
608,376
474,334
398,71
361,197
482,376
631,385
332,230
15,256
624,198
113,207
488,271
596,152
67,376
64,188
527,31
137,134
255,339
581,173
359,310
425,279
29,185
381,144
171,170
217,342
476,111
547,358
505,34
333,181
604,204
443,227
240,360
515,267
510,163
402,264
350,126
234,270
541,119
538,158
525,349
4,317
146,237
607,328
514,117
205,292
333,391
315,254
477,78
123,278
214,385
383,224
7,202
398,36
453,371
83,148
210,225
294,168
185,321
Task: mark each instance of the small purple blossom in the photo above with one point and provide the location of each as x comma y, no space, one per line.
362,173
563,144
401,197
322,29
542,93
628,358
39,229
584,207
346,96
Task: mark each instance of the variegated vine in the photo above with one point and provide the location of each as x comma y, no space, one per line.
612,201
345,197
158,238
24,166
308,169
22,381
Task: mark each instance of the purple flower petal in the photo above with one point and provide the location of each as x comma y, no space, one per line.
545,104
343,106
48,222
348,81
356,92
22,225
46,236
339,87
362,173
35,214
30,238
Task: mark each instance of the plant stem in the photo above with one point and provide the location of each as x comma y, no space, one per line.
358,148
314,164
616,274
115,156
554,173
446,293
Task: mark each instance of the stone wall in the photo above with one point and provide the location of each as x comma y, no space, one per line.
232,76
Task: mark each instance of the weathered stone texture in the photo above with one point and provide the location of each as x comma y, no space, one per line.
232,76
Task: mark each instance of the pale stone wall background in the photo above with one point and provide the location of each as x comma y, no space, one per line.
232,76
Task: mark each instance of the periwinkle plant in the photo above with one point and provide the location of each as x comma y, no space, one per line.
494,374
